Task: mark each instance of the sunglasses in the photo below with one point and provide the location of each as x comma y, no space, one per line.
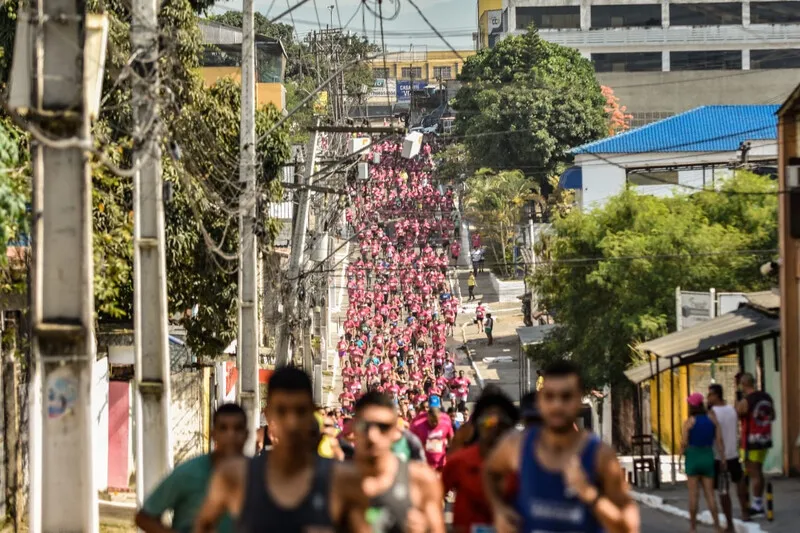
363,426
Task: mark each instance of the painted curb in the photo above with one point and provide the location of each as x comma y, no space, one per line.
478,376
657,502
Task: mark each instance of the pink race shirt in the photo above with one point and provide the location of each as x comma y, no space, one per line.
434,440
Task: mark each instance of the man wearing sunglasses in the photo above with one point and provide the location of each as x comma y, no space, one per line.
404,496
564,480
494,414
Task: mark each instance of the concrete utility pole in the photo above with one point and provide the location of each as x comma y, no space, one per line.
296,256
150,322
62,490
247,345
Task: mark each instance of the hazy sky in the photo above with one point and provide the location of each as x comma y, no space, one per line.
455,19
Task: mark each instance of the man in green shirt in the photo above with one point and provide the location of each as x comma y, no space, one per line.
184,489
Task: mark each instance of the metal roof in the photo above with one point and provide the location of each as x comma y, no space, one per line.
703,341
766,300
712,128
534,334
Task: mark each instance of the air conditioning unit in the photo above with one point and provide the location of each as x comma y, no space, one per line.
359,145
412,144
363,171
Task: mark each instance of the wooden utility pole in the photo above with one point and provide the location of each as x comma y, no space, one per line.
150,321
247,345
63,496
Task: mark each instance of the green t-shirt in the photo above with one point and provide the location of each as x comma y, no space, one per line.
402,450
183,492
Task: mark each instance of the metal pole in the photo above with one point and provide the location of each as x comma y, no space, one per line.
296,255
247,344
62,489
658,425
151,342
678,310
672,410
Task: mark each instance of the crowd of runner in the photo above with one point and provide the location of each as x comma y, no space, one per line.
386,458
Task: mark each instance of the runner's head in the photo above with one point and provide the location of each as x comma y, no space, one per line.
715,395
229,429
434,411
494,414
375,426
529,410
560,398
290,407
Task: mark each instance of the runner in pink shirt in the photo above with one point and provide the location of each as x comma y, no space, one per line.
435,431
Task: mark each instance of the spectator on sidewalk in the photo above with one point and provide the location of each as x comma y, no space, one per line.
471,286
700,434
480,315
488,326
728,420
482,260
757,411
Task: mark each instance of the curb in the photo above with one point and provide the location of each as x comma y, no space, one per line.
657,502
478,377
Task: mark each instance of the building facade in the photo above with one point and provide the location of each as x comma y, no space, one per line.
667,56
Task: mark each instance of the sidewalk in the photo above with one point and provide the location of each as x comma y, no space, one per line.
674,499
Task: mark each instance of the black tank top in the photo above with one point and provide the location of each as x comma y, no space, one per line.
261,514
388,512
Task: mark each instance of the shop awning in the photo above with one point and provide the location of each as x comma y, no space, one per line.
571,179
534,334
704,341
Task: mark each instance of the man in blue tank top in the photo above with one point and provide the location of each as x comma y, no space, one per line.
554,478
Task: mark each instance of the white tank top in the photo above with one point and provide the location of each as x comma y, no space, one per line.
728,421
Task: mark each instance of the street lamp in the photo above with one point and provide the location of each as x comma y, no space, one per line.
330,9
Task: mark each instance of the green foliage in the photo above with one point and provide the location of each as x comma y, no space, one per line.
495,203
202,220
453,162
540,98
609,276
13,197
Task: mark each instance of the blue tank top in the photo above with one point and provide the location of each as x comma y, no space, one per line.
542,501
702,433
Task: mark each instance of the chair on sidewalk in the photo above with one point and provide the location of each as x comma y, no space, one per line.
645,459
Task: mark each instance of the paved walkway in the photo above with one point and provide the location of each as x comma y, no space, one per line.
786,504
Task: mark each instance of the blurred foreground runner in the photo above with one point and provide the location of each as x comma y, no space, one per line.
184,489
566,480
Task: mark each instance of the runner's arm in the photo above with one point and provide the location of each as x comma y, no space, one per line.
432,497
162,499
498,465
225,483
611,502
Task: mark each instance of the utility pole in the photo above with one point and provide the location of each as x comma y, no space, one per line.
247,345
296,255
62,489
150,322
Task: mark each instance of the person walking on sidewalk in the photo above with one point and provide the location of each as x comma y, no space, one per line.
757,412
700,434
475,257
728,421
480,315
471,286
488,326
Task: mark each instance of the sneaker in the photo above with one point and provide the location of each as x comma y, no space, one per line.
756,512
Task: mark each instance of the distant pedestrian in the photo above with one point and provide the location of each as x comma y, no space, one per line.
476,256
757,411
699,436
481,260
480,315
488,326
471,286
539,380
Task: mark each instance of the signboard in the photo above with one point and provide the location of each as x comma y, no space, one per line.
494,20
404,89
695,308
730,301
383,87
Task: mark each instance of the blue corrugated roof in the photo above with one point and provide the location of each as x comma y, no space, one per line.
712,128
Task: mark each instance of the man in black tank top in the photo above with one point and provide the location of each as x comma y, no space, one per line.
403,496
289,489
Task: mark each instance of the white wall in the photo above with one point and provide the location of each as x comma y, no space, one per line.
601,181
100,418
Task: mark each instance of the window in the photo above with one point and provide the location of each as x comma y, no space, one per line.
443,73
380,73
559,17
706,60
664,177
627,62
408,73
774,12
714,14
768,59
627,16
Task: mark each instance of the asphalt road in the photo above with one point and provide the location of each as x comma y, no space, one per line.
657,522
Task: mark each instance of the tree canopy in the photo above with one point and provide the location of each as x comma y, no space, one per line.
608,277
201,220
525,103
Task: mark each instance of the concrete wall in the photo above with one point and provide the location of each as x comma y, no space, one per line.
187,418
675,92
100,418
266,93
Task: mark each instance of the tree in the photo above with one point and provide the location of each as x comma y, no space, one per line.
609,276
13,211
495,202
619,119
525,103
201,221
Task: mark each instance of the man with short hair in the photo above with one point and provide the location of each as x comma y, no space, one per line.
727,420
403,495
435,431
290,488
566,480
757,412
184,489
